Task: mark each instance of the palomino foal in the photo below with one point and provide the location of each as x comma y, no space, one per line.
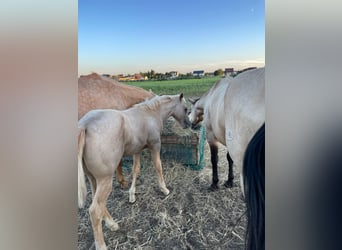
105,136
98,92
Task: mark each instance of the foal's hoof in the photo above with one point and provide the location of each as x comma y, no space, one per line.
124,184
132,199
213,187
166,192
229,184
112,225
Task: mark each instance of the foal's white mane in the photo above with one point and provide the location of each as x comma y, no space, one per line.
154,102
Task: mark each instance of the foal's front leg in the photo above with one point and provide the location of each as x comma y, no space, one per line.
136,170
155,152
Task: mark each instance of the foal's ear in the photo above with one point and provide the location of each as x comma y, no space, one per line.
181,96
193,100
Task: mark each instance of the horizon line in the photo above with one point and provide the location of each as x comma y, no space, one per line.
207,68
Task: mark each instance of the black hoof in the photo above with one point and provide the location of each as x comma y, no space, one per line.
213,187
229,184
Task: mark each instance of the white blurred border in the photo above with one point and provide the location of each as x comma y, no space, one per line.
38,111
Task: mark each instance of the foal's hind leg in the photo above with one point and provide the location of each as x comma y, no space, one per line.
229,183
91,179
98,210
136,170
158,166
119,176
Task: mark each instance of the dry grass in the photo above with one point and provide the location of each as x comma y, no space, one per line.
190,217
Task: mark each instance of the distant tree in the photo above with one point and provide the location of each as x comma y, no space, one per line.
153,74
218,72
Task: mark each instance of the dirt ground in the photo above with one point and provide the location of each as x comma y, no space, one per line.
190,217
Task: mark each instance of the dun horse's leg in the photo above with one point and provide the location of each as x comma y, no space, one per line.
158,166
214,160
229,183
98,210
119,176
136,170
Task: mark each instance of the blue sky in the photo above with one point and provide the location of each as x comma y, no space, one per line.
129,36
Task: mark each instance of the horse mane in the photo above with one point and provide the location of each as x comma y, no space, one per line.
254,187
153,103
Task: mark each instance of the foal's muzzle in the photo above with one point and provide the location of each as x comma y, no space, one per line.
186,123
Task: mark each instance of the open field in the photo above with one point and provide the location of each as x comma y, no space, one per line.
189,87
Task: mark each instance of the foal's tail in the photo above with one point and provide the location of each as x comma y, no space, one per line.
254,187
82,188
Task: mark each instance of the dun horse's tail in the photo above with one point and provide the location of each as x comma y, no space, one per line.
254,185
82,188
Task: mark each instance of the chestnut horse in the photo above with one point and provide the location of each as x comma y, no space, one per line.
97,92
106,135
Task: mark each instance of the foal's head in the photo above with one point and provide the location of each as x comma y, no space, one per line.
180,112
196,113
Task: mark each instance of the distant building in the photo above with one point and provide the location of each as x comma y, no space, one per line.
228,71
106,75
199,73
139,77
127,78
132,78
173,74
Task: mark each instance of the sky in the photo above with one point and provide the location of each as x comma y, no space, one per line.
132,36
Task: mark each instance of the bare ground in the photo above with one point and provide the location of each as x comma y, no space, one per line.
190,217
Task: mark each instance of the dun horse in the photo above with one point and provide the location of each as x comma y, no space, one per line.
233,110
210,108
244,105
105,136
97,92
